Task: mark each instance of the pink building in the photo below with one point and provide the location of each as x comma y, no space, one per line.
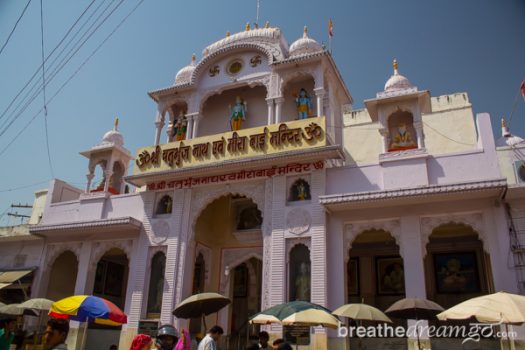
263,184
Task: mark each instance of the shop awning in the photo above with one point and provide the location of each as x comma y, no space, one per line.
9,277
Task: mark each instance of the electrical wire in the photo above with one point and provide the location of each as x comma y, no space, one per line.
57,70
72,76
24,186
50,54
16,24
44,88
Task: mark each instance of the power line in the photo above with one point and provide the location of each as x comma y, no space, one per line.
24,186
16,24
58,69
51,53
73,75
44,88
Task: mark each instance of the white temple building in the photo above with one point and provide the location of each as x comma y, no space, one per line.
264,185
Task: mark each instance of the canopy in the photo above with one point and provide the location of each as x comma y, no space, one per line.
9,277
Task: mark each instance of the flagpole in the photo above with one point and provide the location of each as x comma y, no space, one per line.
330,43
516,101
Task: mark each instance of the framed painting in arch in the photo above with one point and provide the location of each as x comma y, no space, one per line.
100,278
353,276
114,279
456,272
390,275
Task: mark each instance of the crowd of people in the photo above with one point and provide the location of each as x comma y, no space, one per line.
167,338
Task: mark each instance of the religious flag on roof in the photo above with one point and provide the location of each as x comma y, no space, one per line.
330,27
522,89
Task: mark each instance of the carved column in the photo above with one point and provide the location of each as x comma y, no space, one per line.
196,119
90,177
420,135
189,130
159,124
319,93
81,287
269,101
278,109
384,136
108,174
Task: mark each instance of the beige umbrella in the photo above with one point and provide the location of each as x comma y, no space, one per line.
499,307
493,308
200,305
16,310
264,319
362,312
312,318
37,304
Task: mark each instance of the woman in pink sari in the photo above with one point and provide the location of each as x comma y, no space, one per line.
184,342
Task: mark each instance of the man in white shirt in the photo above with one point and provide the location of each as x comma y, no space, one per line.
209,342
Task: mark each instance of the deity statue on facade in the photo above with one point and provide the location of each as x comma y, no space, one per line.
238,114
300,191
180,128
304,104
403,139
302,283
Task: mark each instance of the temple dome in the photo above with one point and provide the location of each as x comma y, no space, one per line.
113,137
397,81
304,45
184,75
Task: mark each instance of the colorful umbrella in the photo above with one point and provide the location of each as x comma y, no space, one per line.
87,308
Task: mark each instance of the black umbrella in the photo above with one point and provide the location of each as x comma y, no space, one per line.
414,309
200,305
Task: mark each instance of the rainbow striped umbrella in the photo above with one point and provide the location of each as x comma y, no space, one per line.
88,308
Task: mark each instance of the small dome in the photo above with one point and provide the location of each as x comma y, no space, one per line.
184,75
113,137
397,81
304,45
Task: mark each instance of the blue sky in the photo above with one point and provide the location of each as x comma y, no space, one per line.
446,46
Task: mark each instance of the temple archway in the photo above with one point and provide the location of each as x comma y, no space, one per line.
63,269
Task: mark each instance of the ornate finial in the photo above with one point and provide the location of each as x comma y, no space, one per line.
305,30
267,24
395,65
193,59
503,123
248,27
116,124
228,33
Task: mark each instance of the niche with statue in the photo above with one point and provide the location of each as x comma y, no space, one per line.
402,134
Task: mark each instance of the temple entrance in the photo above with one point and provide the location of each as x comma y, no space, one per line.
375,276
64,269
111,281
227,259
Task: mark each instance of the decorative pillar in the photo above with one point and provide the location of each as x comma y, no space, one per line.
196,119
189,130
412,252
320,93
384,136
269,102
90,177
420,135
159,124
107,173
169,132
278,109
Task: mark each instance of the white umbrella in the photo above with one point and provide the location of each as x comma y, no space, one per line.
311,317
37,304
361,312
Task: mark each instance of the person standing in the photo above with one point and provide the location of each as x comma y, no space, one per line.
56,334
264,337
167,337
7,333
209,342
141,342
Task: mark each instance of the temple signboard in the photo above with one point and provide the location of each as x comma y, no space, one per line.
240,144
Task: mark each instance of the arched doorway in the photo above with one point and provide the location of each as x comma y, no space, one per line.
375,276
228,259
110,282
62,276
457,268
